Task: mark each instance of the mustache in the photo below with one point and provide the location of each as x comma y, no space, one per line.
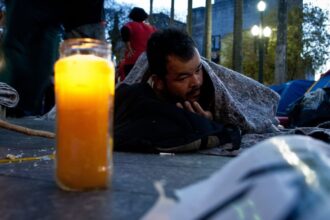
193,91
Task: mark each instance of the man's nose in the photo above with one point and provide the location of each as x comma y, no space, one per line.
195,80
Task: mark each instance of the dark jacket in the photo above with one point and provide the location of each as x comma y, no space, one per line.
146,124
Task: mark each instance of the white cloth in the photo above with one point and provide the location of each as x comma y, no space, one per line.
275,179
8,95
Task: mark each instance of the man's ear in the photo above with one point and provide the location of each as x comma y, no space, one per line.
158,83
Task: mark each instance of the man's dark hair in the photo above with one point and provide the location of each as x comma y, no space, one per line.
138,14
167,42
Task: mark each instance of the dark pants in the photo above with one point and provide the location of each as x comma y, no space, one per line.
30,48
127,69
33,33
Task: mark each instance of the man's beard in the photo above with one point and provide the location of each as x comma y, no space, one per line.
194,93
170,97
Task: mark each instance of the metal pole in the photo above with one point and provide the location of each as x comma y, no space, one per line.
172,13
261,50
189,18
261,60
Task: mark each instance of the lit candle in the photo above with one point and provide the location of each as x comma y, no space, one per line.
84,88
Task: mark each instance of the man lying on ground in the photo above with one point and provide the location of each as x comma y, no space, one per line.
173,100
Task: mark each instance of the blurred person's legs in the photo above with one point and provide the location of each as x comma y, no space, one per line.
32,40
95,30
88,19
127,69
30,48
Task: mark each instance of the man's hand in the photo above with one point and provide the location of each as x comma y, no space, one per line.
195,108
130,52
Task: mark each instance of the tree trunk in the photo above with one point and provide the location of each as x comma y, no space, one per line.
189,18
237,38
208,30
172,13
115,36
151,7
281,44
150,11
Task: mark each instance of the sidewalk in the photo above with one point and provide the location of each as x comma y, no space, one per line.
29,190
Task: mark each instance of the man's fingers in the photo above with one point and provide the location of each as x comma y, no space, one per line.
201,111
179,105
195,108
188,106
198,108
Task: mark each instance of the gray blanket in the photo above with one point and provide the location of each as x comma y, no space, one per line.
239,100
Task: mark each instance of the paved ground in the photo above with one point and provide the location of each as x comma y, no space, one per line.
28,190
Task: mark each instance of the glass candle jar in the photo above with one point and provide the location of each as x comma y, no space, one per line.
84,91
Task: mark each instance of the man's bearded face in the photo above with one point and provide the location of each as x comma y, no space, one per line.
184,79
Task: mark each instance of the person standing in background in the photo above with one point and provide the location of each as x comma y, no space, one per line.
34,30
135,34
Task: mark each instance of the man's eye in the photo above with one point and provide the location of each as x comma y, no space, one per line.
199,67
181,78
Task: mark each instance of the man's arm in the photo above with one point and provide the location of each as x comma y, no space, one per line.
125,34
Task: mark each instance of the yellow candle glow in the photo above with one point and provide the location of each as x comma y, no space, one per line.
84,88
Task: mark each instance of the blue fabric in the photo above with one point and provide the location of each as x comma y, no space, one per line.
290,92
324,82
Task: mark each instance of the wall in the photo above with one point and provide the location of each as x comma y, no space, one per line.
223,17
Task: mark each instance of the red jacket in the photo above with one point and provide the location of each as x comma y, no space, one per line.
138,37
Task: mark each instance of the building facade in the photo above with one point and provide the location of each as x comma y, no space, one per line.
223,19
